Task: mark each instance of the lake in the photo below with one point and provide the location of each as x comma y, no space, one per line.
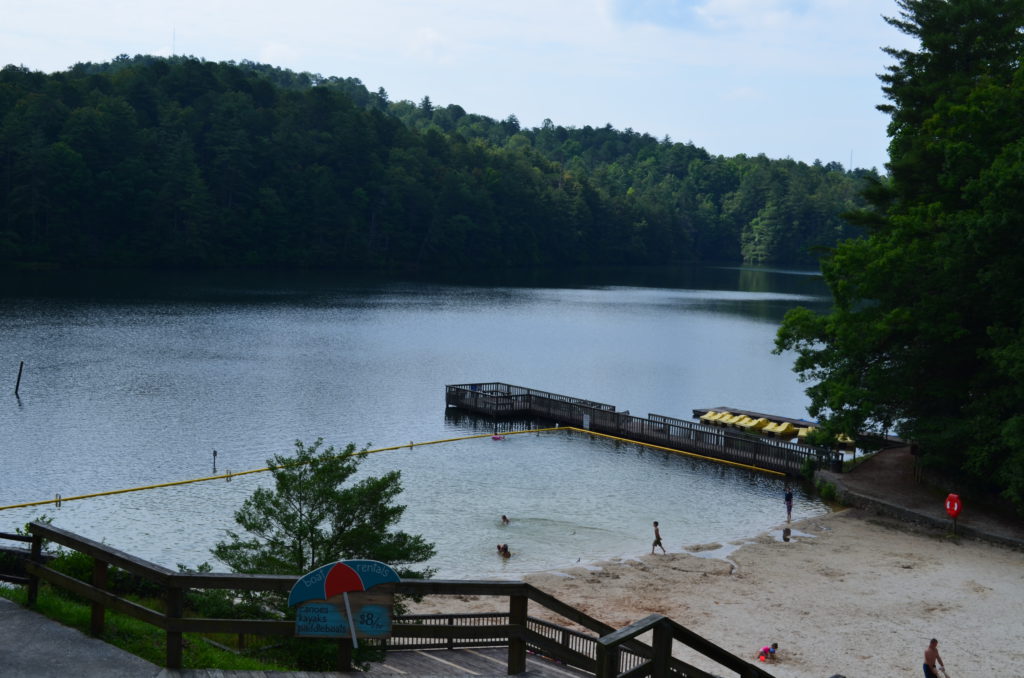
133,380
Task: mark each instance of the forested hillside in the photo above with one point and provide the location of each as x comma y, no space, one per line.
180,162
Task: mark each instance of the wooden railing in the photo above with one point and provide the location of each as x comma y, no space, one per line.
15,554
664,631
504,400
605,651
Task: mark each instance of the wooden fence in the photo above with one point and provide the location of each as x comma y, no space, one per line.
502,401
604,652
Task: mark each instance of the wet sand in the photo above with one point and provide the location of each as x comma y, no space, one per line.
849,594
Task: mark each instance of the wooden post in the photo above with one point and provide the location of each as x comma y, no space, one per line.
607,661
99,580
33,580
17,384
517,608
345,655
175,609
662,645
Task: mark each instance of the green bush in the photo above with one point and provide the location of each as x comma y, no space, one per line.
808,468
138,637
827,491
314,654
10,563
79,565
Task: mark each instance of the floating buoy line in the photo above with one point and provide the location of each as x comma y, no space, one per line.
58,499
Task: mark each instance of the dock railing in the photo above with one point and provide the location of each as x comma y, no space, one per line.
600,649
14,557
499,401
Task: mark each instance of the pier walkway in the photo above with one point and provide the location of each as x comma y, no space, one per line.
499,400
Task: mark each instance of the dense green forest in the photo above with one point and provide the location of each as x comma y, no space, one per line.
181,162
927,333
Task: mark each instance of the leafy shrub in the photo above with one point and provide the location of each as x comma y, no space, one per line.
79,565
827,491
808,468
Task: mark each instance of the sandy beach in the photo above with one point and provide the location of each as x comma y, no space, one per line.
848,594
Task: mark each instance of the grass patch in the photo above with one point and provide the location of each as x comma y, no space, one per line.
850,464
827,491
137,637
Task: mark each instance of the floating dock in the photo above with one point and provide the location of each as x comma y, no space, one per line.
499,400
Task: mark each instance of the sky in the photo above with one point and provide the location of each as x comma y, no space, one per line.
787,78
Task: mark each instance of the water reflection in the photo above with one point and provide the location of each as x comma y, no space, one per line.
131,380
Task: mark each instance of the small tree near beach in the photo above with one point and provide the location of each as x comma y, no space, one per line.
311,518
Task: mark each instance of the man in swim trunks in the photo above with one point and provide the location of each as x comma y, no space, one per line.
789,504
931,655
657,539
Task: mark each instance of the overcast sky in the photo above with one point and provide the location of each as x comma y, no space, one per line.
788,78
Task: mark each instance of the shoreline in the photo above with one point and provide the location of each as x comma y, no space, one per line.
850,594
515,572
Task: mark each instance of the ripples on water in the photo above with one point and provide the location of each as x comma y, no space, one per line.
570,497
129,383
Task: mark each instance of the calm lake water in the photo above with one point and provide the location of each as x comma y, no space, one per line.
134,380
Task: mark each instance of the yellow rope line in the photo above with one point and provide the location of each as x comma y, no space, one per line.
411,444
244,473
672,449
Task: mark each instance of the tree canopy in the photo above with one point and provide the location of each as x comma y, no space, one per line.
180,162
926,332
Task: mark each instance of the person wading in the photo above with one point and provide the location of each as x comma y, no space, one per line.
657,539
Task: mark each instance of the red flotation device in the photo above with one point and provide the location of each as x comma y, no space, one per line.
953,505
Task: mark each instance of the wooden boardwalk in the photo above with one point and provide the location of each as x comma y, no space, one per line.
480,661
490,662
510,641
500,401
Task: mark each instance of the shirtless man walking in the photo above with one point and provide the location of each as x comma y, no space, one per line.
657,539
931,655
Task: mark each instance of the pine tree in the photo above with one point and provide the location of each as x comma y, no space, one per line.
310,518
926,331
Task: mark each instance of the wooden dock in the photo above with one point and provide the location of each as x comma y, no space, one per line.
480,661
701,411
500,401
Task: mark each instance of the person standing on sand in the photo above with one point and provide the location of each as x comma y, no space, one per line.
657,539
931,655
789,504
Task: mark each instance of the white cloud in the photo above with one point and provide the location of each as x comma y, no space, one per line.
742,94
750,14
277,53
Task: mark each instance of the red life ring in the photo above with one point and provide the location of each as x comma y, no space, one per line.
953,505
